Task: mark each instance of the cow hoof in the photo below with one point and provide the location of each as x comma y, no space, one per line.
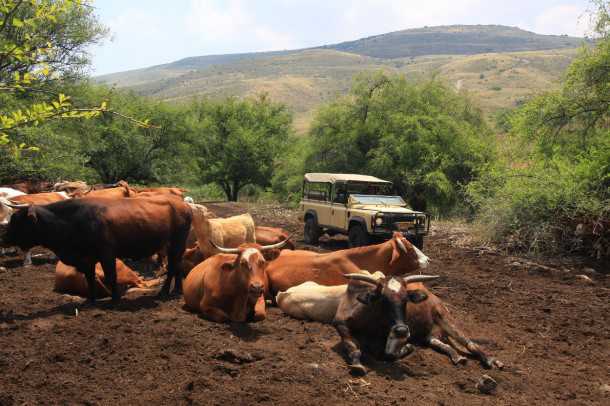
459,361
357,369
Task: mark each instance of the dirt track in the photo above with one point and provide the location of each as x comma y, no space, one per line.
551,329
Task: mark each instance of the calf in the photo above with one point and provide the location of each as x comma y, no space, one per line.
229,286
68,280
224,232
371,314
82,232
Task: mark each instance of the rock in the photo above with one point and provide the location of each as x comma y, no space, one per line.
584,278
487,385
605,388
237,357
2,269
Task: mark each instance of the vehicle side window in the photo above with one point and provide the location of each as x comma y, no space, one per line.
317,191
340,195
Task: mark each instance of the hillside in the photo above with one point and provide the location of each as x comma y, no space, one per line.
499,65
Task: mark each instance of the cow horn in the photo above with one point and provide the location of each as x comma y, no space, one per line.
17,206
362,277
277,245
419,278
225,250
401,245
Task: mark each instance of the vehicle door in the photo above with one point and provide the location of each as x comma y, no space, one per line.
339,210
317,195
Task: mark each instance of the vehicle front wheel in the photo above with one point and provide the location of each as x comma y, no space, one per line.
418,241
358,237
311,232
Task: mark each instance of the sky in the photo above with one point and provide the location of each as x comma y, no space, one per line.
152,32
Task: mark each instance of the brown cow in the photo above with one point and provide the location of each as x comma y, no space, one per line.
69,280
82,232
153,191
396,256
191,258
109,193
8,206
272,235
230,286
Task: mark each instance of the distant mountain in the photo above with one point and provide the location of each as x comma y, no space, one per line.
454,40
500,65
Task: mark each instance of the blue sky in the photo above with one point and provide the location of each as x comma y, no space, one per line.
152,32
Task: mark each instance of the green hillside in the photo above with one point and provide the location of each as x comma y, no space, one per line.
304,79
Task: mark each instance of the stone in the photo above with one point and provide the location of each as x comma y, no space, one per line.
487,385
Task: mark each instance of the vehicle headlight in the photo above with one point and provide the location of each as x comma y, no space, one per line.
379,221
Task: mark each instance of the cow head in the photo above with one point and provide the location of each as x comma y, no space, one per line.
250,264
391,296
21,229
406,256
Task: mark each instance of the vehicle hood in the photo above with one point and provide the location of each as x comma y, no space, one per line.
384,209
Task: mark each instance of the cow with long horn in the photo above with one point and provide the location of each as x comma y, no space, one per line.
372,316
229,286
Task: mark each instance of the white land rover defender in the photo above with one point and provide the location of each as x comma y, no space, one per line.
361,206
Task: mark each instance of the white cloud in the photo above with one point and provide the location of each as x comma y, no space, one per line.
229,22
562,19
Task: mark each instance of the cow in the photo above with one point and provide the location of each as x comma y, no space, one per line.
272,235
116,192
152,191
69,281
8,206
371,316
396,256
225,232
31,186
82,232
229,286
429,321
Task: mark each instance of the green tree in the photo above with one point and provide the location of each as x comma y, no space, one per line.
239,141
427,139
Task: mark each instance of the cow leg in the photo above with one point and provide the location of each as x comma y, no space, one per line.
109,266
452,332
214,314
446,349
259,309
89,271
27,260
351,347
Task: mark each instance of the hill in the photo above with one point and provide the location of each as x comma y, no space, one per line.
499,65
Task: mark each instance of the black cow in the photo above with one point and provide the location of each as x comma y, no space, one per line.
83,232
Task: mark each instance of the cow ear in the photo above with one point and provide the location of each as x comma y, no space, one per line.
417,296
270,255
227,266
32,214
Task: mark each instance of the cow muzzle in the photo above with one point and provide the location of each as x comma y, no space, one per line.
396,344
255,289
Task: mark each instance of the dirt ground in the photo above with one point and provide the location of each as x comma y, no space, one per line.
550,328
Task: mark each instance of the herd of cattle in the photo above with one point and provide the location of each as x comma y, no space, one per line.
233,268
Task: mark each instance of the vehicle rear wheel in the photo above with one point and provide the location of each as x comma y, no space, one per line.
311,232
358,237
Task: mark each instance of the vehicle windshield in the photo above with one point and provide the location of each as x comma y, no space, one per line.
381,200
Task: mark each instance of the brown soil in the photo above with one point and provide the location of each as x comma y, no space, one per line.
550,328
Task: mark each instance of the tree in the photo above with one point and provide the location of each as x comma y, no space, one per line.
424,137
239,141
